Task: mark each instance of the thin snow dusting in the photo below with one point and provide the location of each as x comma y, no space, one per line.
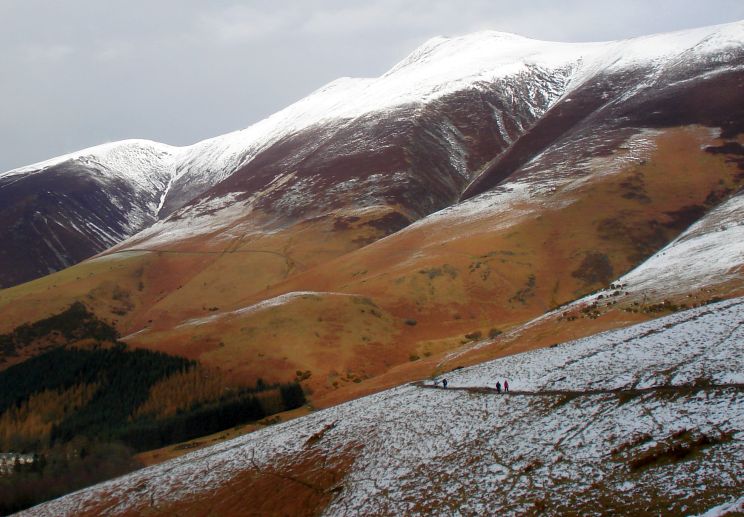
725,509
508,200
277,301
634,150
205,217
517,198
578,426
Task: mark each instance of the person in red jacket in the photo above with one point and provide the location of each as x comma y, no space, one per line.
506,386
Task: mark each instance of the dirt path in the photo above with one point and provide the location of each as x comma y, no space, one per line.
631,392
184,252
289,261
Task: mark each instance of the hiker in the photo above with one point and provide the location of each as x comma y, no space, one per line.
444,383
506,386
498,387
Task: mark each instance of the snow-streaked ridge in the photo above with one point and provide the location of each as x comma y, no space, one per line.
270,303
132,158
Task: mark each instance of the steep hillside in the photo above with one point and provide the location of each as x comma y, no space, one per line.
628,421
56,213
702,265
459,116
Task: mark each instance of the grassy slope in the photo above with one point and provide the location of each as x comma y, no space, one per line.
455,277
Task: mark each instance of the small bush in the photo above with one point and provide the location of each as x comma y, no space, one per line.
292,395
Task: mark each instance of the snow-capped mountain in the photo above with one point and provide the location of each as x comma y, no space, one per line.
646,419
456,117
489,195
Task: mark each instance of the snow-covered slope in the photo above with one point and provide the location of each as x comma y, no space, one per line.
644,419
707,257
709,253
143,162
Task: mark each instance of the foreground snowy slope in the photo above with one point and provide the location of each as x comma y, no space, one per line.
644,419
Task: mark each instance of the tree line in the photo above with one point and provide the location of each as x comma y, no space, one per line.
85,411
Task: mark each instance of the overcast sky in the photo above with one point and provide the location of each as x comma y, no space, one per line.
82,72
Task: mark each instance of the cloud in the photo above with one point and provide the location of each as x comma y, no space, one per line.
239,24
114,51
46,53
350,18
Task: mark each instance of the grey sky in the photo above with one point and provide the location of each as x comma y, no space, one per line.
82,72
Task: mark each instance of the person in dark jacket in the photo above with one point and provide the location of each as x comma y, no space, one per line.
498,387
444,383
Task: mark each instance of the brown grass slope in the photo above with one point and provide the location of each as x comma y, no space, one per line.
406,299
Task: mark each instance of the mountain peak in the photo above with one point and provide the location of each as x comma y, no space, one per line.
443,47
122,152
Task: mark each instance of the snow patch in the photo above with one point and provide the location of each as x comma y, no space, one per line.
708,253
725,509
277,301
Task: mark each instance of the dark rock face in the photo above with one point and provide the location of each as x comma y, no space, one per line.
418,157
57,217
